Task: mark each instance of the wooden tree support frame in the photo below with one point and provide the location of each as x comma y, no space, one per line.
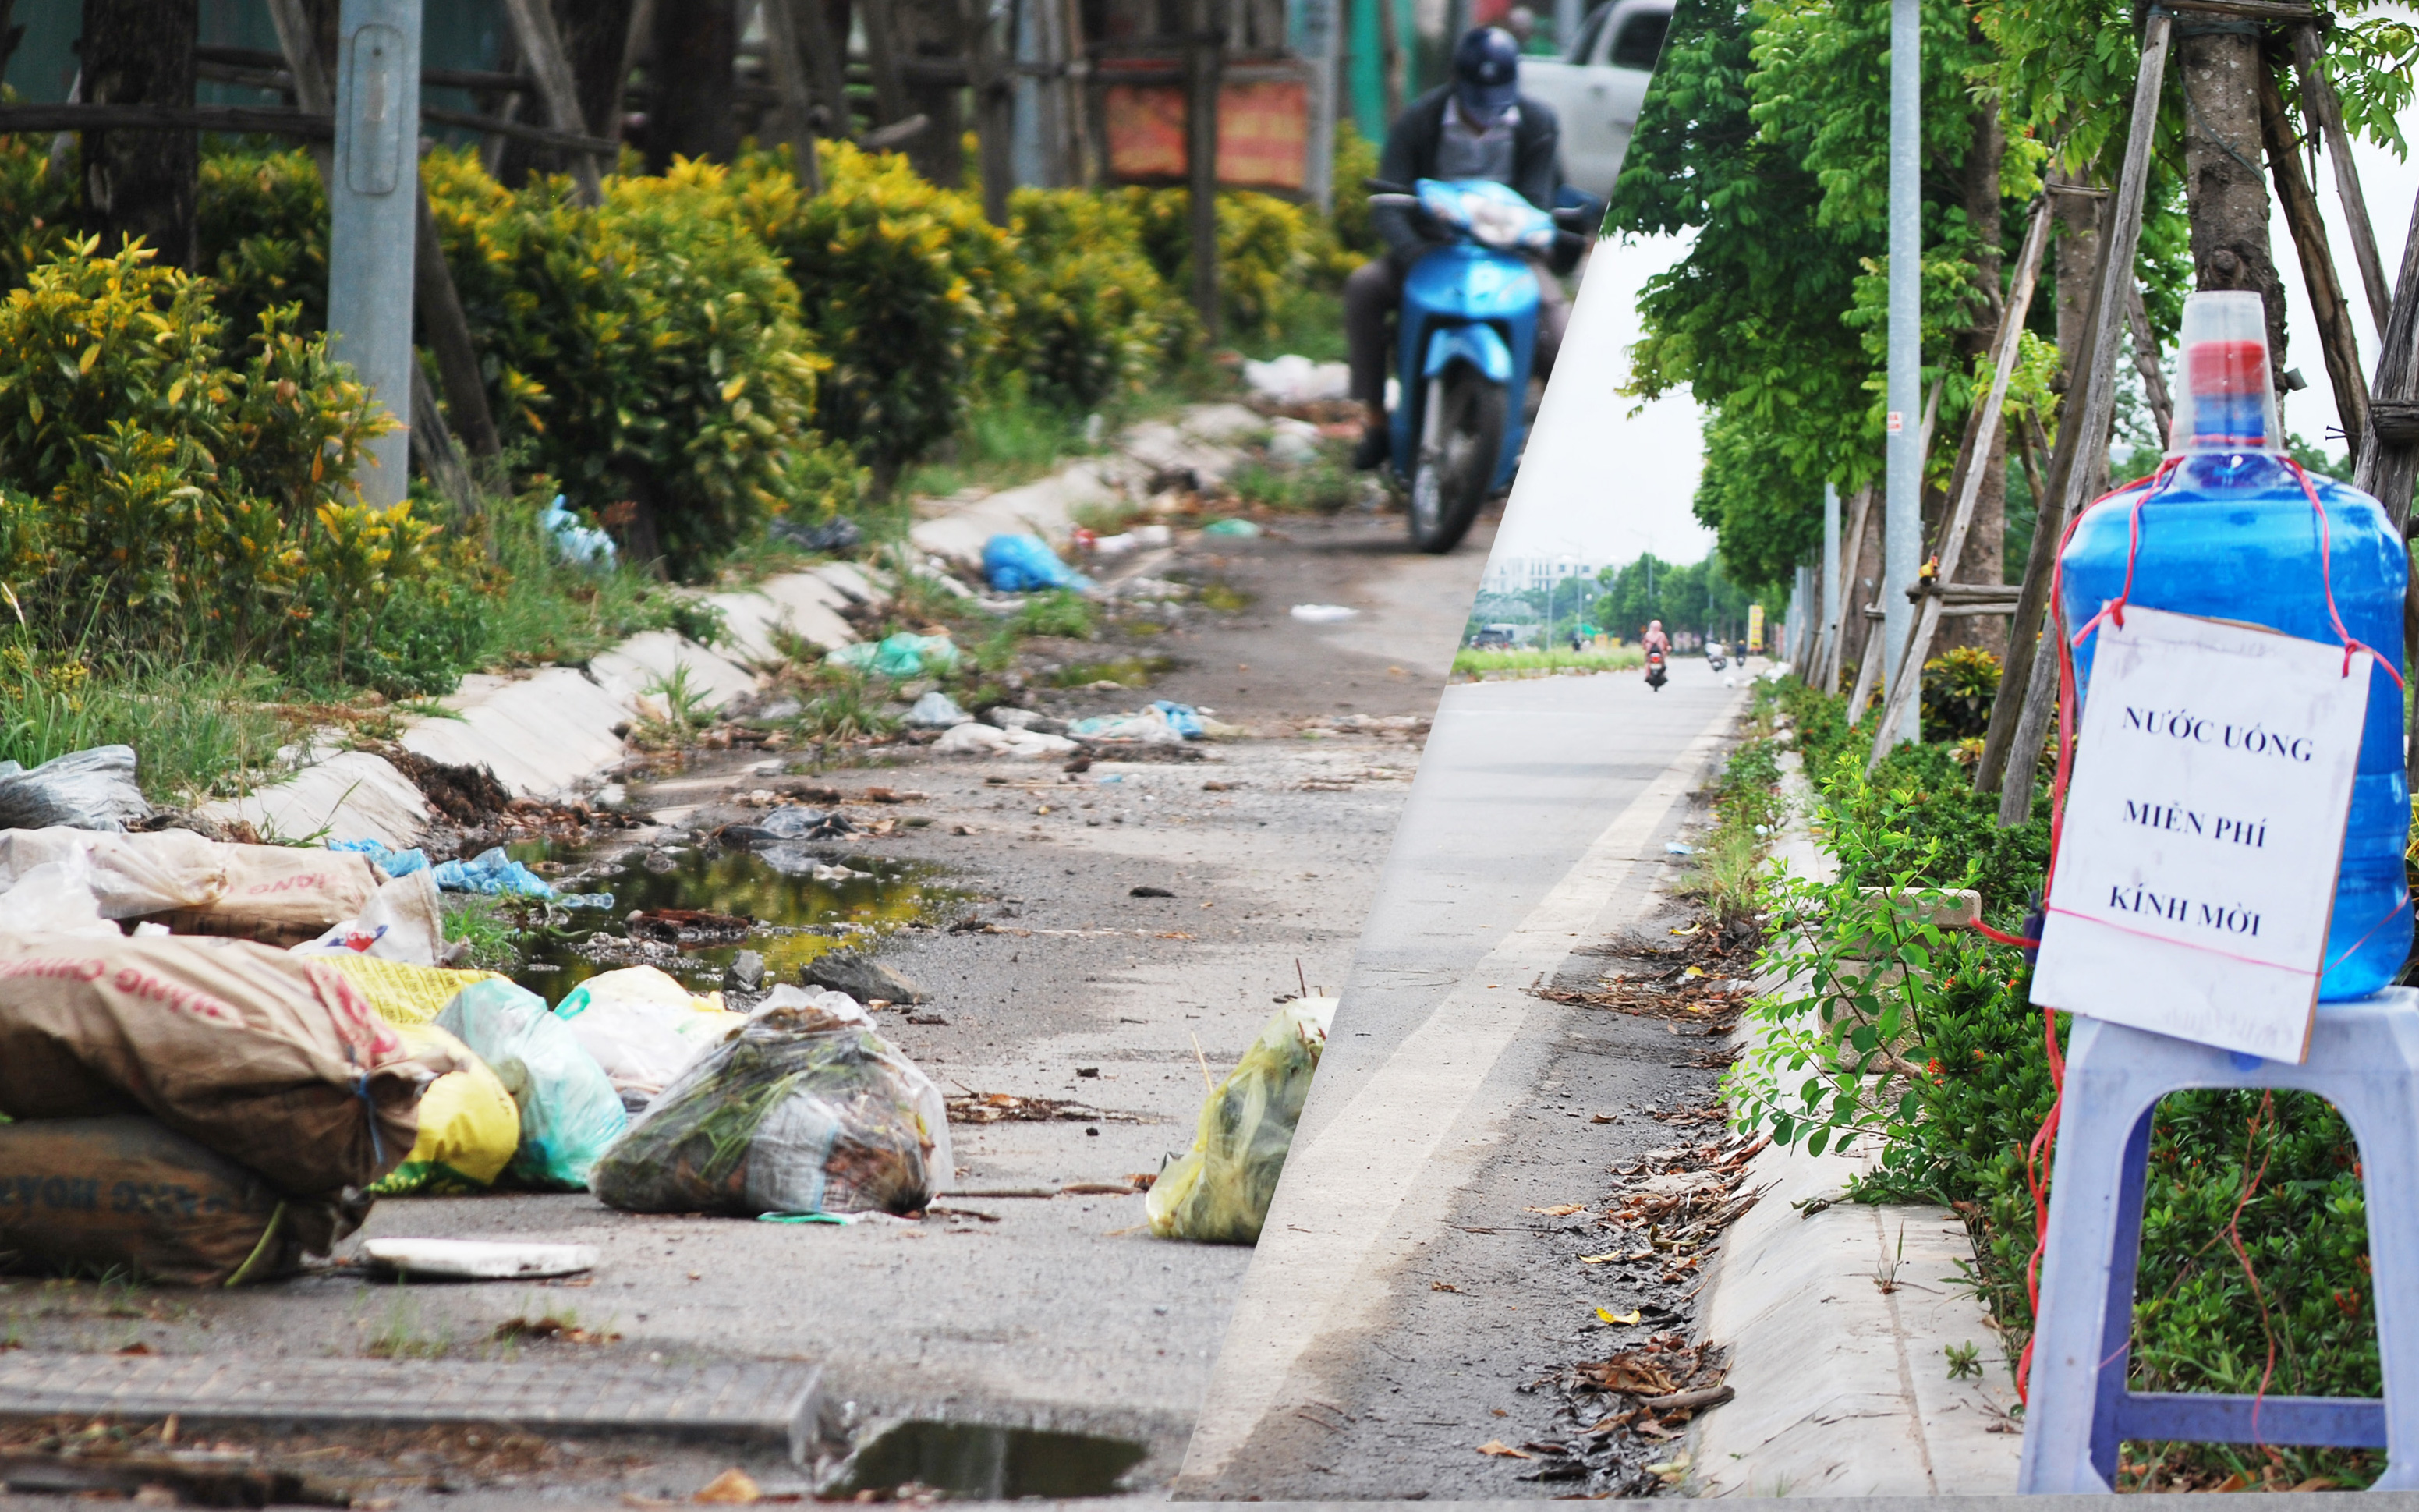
558,90
1981,435
2083,448
1852,552
1869,664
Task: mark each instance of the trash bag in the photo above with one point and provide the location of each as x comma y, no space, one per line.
402,923
643,1027
271,1060
492,873
936,710
84,790
469,1125
803,1110
403,993
1025,564
989,740
569,1111
132,875
131,1197
899,656
1219,1190
1149,726
574,542
280,895
56,898
392,862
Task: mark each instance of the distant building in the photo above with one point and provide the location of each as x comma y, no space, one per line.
1518,575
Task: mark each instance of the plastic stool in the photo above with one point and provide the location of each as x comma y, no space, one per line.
2363,1060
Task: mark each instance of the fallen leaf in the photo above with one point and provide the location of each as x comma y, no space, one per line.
1442,1286
1630,1316
1627,1373
1503,1451
1599,1259
1692,971
2231,1483
733,1485
1691,929
1565,1210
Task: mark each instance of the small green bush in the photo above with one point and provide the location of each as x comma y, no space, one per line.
1092,316
648,350
260,227
38,208
902,285
1267,248
1958,688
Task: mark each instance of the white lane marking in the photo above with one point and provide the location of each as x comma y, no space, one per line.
1314,1274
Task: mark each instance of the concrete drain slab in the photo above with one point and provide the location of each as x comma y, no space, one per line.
763,1401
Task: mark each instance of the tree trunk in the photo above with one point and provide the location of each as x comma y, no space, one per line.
696,47
987,69
2226,193
932,29
2337,341
2078,262
594,34
142,184
1985,558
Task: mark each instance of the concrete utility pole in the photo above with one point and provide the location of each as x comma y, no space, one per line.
1903,516
1829,626
1319,31
373,211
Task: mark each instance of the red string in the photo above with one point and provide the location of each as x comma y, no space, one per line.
2250,1180
1989,934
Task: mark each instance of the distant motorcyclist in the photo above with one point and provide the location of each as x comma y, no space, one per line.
1655,640
1480,125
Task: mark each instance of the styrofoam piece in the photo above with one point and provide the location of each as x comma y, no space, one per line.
636,666
542,734
350,795
474,1260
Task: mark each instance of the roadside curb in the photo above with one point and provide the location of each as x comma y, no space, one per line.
553,732
1842,1388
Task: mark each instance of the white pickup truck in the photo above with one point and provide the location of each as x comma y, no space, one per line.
1598,86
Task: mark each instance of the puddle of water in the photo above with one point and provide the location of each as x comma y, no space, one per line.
974,1460
808,917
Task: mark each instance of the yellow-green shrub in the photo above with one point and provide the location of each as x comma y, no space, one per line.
38,208
156,492
260,226
649,349
1266,247
902,285
1092,318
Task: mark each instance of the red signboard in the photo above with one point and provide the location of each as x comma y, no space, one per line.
1263,132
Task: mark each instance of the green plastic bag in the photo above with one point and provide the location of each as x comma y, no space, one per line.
900,656
569,1110
1219,1191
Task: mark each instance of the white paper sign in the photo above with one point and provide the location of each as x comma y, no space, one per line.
2204,823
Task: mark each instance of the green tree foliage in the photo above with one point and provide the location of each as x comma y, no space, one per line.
1696,595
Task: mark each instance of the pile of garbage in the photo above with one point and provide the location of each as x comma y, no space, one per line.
214,1057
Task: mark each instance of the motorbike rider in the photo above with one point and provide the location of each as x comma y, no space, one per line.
1655,640
1479,126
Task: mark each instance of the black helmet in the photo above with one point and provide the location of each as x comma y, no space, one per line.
1485,72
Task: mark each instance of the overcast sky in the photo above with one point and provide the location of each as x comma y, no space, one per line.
1601,484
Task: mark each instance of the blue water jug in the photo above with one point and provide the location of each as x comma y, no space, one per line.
2227,531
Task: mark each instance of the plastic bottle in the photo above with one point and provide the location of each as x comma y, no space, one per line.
2229,533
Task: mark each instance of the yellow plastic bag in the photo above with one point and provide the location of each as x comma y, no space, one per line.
469,1126
401,993
1219,1191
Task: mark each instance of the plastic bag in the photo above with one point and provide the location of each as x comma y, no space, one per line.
1024,564
569,1111
56,898
574,542
84,790
1219,1190
271,1060
491,873
392,862
936,710
401,992
900,656
403,922
132,875
989,740
803,1110
643,1027
1149,726
132,1197
468,1124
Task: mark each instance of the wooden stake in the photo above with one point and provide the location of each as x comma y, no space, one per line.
2145,361
2090,419
1852,552
2337,342
558,90
1869,664
789,78
1981,433
2319,97
1204,57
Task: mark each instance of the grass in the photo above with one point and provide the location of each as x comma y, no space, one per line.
490,929
1221,598
1728,871
197,730
1321,486
1064,613
1482,664
1309,321
399,1335
1126,672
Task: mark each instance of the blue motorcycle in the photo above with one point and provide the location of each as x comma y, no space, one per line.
1469,332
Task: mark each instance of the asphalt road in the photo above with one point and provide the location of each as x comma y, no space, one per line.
1379,1341
1061,1313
